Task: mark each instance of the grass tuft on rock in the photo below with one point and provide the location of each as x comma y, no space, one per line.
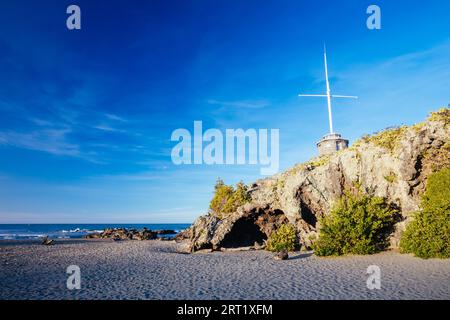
391,177
388,139
442,115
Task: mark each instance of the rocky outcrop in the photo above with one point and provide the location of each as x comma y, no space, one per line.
124,234
393,164
249,224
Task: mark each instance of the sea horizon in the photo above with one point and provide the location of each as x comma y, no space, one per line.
30,231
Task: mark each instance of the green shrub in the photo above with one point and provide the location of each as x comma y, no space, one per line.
285,238
357,224
428,235
227,199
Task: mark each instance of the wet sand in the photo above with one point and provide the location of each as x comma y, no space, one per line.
153,270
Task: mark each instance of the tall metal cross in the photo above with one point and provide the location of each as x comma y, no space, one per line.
328,95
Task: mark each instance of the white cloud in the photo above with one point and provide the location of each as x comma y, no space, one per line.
104,127
52,141
243,104
114,117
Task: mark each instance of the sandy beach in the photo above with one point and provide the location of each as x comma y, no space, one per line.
153,270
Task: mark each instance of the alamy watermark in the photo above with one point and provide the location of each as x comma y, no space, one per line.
73,21
374,20
74,279
234,147
374,279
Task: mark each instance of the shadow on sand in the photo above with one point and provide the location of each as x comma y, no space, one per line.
302,255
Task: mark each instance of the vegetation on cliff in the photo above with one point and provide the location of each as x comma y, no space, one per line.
227,198
442,115
284,238
388,139
428,235
357,224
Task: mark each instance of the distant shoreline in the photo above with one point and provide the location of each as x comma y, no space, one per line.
68,230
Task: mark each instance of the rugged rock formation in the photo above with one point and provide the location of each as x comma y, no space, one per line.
393,164
124,234
249,224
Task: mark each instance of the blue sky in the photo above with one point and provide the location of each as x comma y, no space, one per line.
86,116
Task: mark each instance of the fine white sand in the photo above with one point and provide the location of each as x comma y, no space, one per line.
152,270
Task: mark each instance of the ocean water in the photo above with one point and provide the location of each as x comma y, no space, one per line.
68,231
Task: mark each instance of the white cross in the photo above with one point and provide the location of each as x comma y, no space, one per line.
328,95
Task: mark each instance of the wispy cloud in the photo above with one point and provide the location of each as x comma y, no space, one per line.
41,122
401,86
243,104
114,117
56,132
143,176
49,140
108,128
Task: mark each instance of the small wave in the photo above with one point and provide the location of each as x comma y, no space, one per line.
79,230
6,237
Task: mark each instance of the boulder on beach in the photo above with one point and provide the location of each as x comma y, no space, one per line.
46,241
184,247
282,255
